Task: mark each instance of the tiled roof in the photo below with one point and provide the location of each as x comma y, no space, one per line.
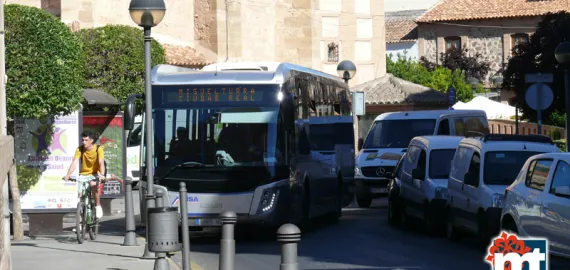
401,31
455,10
391,90
184,56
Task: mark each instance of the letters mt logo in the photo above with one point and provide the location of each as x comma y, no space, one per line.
509,252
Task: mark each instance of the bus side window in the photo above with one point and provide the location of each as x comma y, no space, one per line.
443,127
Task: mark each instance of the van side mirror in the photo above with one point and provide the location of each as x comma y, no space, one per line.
130,111
360,143
562,191
471,179
419,174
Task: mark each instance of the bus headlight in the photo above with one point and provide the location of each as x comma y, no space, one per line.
268,200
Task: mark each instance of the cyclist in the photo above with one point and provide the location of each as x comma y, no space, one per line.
92,163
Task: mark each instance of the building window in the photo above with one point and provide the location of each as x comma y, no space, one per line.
452,43
332,52
518,39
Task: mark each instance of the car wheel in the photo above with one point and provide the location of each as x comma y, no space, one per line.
392,212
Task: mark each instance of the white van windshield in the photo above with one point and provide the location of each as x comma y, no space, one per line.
397,133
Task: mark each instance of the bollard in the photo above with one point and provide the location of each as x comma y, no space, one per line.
227,243
184,228
160,263
130,236
289,235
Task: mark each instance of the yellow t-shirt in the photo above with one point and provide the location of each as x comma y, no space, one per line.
89,162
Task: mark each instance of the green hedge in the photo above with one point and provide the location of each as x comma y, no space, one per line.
561,144
115,59
44,64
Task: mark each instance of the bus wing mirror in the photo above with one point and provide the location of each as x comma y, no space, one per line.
130,111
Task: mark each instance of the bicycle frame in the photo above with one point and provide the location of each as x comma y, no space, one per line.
86,196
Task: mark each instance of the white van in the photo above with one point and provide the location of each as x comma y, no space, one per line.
389,137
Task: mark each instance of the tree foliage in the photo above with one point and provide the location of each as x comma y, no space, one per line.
459,59
44,64
538,56
440,78
115,59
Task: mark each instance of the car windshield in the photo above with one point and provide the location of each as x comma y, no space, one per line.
440,163
397,133
502,167
324,137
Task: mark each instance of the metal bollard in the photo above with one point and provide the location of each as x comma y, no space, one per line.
227,243
184,227
130,236
160,263
289,235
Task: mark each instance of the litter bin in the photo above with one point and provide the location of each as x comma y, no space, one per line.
163,229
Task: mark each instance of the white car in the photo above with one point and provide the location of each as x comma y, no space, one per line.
537,204
481,171
419,188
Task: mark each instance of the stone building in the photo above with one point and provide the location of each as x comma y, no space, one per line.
489,27
316,34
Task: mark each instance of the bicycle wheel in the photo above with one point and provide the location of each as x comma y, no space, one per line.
94,226
80,222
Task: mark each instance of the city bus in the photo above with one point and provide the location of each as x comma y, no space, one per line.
229,132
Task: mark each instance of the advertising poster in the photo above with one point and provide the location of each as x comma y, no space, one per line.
44,149
108,128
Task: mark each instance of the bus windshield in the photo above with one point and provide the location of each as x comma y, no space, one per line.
226,133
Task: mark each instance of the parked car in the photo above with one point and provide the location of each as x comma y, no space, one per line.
419,188
390,135
537,204
481,171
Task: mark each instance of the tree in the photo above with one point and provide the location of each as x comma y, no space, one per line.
457,59
115,59
538,56
440,78
44,64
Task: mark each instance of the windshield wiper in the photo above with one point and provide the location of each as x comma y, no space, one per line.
190,164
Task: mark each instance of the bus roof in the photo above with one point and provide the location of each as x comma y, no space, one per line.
227,73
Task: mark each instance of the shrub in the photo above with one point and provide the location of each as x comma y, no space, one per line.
115,59
44,64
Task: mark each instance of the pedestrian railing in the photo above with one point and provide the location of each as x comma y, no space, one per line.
162,227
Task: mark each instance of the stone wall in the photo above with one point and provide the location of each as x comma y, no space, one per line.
509,127
494,44
6,163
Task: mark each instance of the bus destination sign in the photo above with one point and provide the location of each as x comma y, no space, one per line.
213,94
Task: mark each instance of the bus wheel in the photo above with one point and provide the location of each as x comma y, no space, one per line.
364,202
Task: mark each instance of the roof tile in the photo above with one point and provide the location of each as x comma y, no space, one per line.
184,56
392,90
401,31
455,10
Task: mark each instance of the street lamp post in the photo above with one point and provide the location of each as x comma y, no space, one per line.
346,70
474,83
147,14
562,54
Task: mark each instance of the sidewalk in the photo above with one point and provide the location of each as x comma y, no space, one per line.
63,252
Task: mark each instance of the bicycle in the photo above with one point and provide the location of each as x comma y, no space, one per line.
85,217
